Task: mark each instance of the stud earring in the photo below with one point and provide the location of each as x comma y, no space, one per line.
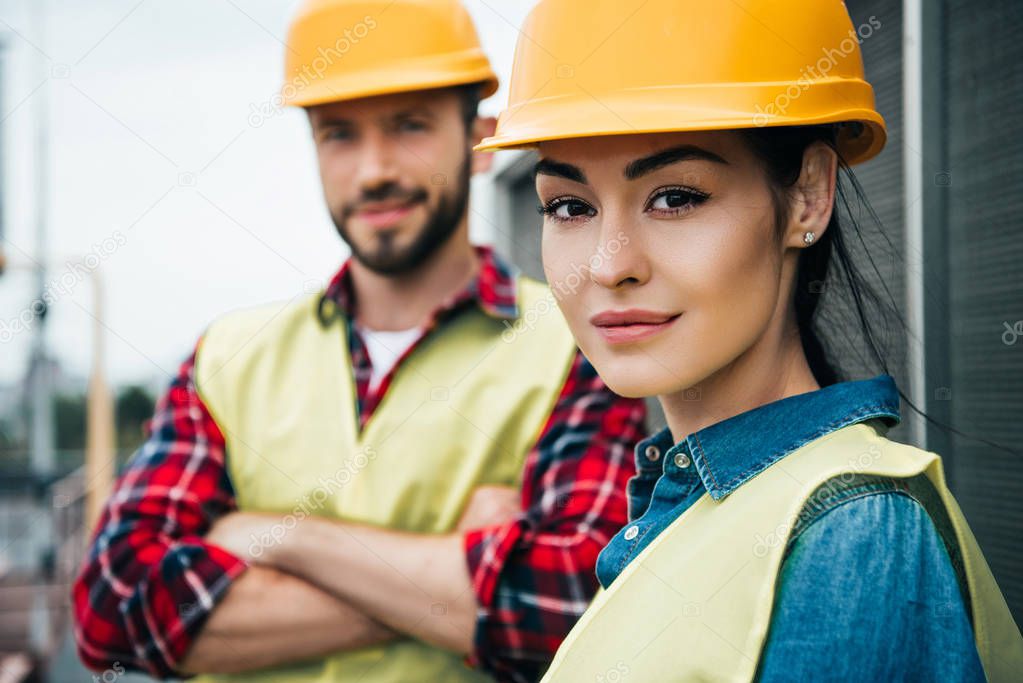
809,237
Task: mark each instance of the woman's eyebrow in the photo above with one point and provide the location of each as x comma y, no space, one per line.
649,164
560,169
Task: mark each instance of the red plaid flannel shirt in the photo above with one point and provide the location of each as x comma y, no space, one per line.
150,580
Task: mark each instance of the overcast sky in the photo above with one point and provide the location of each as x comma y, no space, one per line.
157,172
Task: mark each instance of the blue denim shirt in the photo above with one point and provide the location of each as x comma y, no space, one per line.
867,591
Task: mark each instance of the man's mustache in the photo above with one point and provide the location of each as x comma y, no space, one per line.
384,193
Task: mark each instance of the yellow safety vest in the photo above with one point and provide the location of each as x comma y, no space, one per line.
464,409
695,605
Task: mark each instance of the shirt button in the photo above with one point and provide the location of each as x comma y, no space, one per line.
682,460
653,453
631,533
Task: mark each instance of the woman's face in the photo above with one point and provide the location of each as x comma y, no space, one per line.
663,252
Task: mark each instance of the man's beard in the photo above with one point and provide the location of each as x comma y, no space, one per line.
384,258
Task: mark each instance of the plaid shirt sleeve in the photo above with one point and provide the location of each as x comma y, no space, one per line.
149,581
535,576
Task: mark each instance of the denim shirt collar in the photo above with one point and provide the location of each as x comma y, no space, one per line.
733,451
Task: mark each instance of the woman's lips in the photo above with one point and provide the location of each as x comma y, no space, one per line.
622,327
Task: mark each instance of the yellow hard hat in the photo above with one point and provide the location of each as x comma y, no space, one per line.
604,67
347,49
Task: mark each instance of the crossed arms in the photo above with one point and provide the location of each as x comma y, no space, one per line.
170,586
333,586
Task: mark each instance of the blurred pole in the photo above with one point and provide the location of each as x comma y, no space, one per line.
99,430
43,457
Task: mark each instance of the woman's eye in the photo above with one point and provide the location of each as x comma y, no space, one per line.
567,209
676,200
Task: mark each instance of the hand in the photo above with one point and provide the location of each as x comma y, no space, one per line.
489,506
254,537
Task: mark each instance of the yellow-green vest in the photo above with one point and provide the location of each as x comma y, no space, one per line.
463,409
695,605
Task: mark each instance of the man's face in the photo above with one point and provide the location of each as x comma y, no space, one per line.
395,172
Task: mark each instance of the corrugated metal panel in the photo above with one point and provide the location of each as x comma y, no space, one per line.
984,80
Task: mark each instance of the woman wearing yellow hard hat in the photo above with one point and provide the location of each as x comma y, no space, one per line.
691,154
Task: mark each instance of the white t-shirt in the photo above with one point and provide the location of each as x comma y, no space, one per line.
385,348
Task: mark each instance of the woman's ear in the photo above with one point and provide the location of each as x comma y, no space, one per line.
813,196
482,127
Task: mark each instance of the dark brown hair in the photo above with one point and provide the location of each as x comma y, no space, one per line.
841,312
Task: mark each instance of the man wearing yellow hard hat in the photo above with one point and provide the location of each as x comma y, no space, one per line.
405,477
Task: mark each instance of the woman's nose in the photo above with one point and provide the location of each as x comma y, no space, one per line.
618,259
